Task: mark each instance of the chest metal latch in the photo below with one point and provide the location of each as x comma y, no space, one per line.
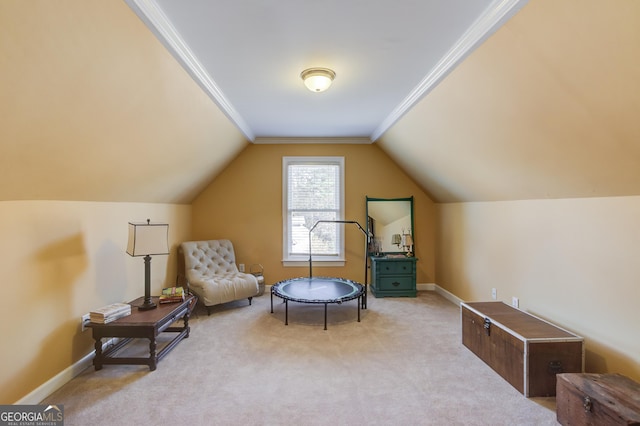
487,326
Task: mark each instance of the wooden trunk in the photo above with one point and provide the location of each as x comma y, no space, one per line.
597,399
525,350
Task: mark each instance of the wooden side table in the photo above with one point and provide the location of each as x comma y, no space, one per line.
142,324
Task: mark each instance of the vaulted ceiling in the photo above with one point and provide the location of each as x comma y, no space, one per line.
248,55
95,107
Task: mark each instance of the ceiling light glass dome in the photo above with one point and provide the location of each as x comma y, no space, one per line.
318,79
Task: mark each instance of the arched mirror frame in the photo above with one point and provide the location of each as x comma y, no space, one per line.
378,244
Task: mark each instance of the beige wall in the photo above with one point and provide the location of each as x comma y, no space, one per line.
571,261
546,107
244,204
60,259
94,108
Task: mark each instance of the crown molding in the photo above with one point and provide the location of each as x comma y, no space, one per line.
498,12
312,140
155,19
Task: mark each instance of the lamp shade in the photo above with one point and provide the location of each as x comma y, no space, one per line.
396,239
408,240
148,239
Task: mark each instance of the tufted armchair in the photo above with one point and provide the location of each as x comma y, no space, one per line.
212,274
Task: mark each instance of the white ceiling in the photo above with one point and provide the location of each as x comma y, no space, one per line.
387,54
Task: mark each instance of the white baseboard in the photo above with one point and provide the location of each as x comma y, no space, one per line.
60,379
56,382
426,287
441,291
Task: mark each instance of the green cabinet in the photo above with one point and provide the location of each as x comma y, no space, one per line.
393,276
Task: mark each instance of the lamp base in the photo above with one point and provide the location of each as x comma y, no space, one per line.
147,305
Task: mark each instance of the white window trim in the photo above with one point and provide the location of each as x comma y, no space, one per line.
297,261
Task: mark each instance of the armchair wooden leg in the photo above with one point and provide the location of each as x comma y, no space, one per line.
251,298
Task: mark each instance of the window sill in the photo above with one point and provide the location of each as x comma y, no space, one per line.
316,263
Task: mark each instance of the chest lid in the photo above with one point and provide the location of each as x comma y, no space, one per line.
613,390
521,323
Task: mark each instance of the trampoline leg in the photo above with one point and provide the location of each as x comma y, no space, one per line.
325,316
364,298
271,302
286,312
359,308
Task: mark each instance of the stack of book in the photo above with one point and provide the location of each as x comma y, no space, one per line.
109,313
172,294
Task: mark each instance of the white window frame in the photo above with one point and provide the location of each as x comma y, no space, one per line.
303,260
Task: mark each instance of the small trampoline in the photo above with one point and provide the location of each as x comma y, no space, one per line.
318,290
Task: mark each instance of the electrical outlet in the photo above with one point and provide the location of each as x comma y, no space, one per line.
494,294
241,267
515,302
84,321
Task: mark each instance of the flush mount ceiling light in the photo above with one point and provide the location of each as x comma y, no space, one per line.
317,79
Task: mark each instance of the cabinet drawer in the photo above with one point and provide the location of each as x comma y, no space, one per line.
396,268
395,283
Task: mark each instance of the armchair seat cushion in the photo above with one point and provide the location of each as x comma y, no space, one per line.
211,271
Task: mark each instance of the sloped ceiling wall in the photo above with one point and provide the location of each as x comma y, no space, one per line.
94,108
548,107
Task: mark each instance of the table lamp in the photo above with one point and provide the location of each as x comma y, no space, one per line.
408,244
146,239
396,240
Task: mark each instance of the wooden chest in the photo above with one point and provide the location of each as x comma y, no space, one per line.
597,399
525,350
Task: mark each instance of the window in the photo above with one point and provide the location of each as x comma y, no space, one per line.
313,190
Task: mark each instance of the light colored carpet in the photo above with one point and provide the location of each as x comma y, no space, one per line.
404,364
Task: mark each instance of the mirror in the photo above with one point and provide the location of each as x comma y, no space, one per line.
390,225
